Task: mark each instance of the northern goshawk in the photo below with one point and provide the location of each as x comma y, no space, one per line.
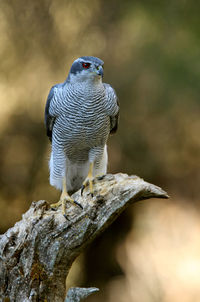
80,114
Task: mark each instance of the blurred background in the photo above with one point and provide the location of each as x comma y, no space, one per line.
151,51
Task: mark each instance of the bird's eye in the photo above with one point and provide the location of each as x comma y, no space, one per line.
86,65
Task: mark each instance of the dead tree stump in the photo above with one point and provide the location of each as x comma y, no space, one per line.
37,253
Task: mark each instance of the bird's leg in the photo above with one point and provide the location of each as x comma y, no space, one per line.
64,198
89,179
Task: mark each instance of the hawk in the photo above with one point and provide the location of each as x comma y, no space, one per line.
80,113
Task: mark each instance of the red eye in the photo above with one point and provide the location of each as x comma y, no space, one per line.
86,65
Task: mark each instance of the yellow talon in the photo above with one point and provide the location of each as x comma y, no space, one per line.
89,179
64,198
56,205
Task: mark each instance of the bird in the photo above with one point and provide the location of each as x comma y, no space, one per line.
80,114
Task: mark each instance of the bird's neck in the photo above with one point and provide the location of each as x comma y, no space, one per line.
91,79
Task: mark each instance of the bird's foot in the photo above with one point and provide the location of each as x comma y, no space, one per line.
85,184
62,202
66,198
54,206
89,181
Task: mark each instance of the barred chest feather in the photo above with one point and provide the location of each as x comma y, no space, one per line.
83,122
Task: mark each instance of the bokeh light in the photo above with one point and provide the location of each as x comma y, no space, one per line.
152,59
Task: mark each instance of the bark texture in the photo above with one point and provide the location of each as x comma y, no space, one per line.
76,294
37,253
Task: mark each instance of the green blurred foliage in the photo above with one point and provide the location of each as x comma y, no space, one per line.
152,59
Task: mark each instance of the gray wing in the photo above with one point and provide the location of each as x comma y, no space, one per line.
113,107
49,119
114,121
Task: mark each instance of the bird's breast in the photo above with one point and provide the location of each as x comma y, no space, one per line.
85,128
79,133
82,122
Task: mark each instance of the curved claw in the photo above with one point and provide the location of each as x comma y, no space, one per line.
66,217
78,204
82,189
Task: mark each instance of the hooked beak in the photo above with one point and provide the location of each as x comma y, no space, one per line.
99,70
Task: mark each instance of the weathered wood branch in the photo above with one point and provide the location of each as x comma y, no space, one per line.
37,253
76,294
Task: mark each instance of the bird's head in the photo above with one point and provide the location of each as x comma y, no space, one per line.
86,68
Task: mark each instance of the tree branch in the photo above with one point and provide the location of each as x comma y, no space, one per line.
76,294
37,253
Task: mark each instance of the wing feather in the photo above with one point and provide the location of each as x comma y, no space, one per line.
114,108
114,121
49,119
